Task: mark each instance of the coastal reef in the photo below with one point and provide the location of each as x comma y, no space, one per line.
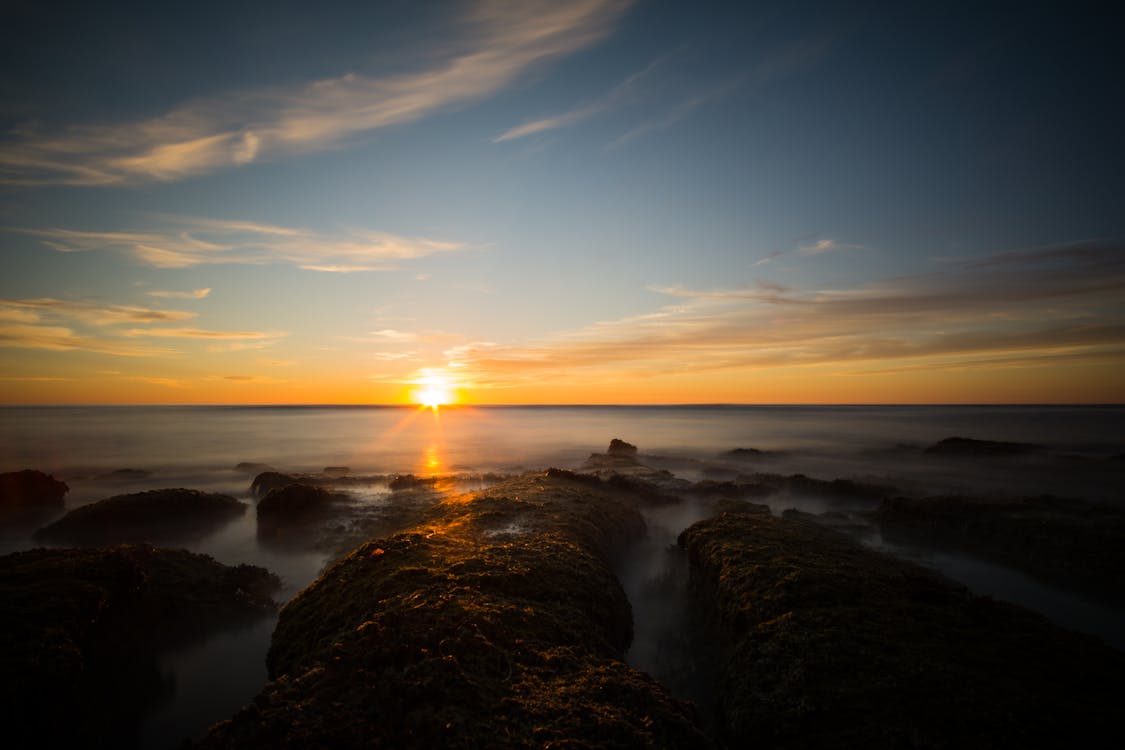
152,516
80,630
1069,542
495,622
829,644
30,496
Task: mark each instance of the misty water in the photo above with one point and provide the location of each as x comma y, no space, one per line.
201,447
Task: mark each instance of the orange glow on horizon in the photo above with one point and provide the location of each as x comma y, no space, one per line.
434,391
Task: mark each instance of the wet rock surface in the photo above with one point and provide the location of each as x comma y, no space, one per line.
496,622
1076,544
829,644
152,516
80,629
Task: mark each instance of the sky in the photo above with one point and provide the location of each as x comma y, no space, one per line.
594,201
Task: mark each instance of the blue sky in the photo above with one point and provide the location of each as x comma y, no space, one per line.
596,201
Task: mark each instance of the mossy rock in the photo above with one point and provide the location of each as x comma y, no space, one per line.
80,630
496,622
830,644
152,516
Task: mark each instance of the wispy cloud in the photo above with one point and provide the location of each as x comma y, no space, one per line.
199,333
32,310
193,294
494,43
615,96
185,241
1030,306
64,339
825,246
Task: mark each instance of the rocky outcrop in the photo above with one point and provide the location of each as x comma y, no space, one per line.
268,481
959,447
829,644
80,628
1075,544
496,622
152,516
30,496
621,449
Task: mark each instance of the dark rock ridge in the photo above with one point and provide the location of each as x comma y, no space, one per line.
496,622
29,494
155,515
829,644
79,630
618,447
1069,542
290,513
970,448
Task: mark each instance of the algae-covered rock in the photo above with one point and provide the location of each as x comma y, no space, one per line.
497,622
79,630
29,494
830,644
268,481
1069,542
152,516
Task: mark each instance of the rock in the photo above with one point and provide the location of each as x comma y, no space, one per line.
28,495
155,515
744,453
621,448
970,448
829,644
268,481
448,636
296,502
335,471
253,467
80,630
1075,544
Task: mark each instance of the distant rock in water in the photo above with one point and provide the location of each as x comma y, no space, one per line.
496,622
744,453
970,448
829,644
620,448
252,467
1068,542
29,495
155,515
335,471
80,630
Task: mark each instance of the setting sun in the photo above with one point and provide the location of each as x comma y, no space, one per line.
434,391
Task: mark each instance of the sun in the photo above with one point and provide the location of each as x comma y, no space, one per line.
433,392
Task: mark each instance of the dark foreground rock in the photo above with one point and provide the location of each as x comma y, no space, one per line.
1068,542
495,623
29,495
152,516
833,645
80,628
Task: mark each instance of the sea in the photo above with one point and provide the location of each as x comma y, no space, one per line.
100,451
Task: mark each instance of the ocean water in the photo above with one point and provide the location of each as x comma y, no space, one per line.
200,447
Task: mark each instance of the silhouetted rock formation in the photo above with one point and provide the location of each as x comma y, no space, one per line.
1069,542
830,644
268,481
29,495
80,628
155,515
970,448
495,623
620,448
